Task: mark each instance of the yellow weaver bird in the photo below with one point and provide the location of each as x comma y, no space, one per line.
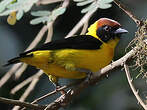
65,58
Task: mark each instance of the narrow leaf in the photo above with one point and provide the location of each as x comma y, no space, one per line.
6,12
84,2
78,0
105,1
90,7
40,20
104,6
58,11
19,14
3,4
40,13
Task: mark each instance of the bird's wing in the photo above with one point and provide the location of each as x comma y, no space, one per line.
76,42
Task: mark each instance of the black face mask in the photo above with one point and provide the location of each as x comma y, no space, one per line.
105,33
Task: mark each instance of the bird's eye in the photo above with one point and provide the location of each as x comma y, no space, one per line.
107,28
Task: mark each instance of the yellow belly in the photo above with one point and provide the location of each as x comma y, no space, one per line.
53,62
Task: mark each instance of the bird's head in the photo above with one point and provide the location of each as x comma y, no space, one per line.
106,30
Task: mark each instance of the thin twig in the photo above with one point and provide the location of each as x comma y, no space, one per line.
34,43
80,23
11,71
128,12
49,94
19,72
28,90
25,82
22,104
55,91
133,88
84,29
37,38
50,32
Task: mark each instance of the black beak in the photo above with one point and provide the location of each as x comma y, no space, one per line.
120,31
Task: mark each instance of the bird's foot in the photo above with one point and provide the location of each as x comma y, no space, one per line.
89,76
87,71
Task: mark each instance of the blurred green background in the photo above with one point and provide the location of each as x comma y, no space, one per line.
112,93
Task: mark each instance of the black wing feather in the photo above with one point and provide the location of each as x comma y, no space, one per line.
76,42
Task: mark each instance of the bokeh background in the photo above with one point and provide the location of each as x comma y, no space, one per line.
111,93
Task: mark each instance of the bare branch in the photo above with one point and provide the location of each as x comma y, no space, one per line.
14,68
133,88
11,71
84,29
50,32
34,43
128,12
37,38
22,104
25,82
80,23
19,72
55,91
28,90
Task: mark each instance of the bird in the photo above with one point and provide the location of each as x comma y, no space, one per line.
75,56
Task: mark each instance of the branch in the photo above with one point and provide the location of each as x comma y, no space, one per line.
55,91
80,23
29,89
37,39
11,71
25,82
19,72
84,29
133,88
14,68
22,104
128,12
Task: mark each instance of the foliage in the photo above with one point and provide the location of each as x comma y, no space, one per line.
94,4
43,16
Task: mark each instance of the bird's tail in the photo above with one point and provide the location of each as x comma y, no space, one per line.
17,59
13,61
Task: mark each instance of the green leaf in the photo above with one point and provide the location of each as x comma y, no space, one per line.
27,7
89,8
84,2
3,4
105,1
78,0
19,14
15,6
104,6
40,13
58,11
6,12
40,20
